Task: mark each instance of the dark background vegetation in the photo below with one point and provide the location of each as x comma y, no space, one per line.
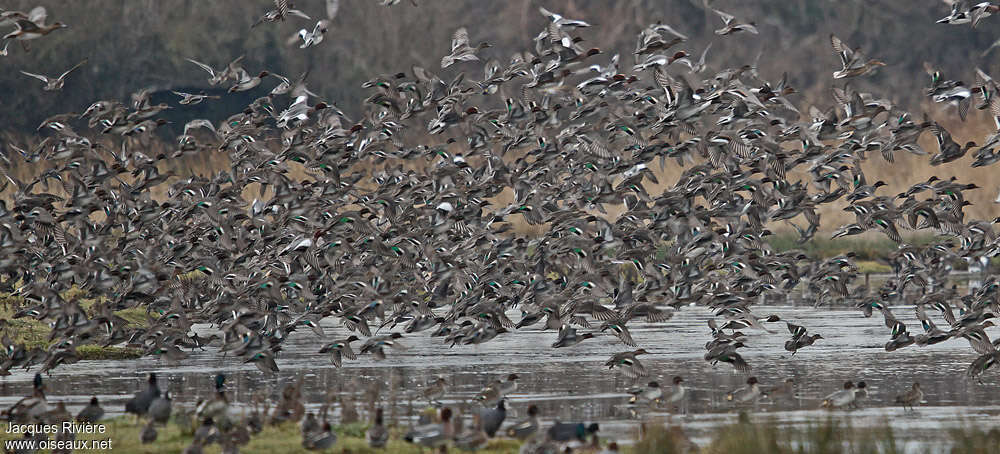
143,44
135,44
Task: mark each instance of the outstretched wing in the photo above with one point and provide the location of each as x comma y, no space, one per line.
281,6
845,53
38,15
63,75
942,135
203,66
36,76
459,39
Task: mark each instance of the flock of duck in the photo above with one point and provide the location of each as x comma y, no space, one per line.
409,218
216,421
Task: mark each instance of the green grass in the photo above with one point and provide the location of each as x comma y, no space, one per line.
283,439
871,250
35,333
866,247
868,266
827,436
97,352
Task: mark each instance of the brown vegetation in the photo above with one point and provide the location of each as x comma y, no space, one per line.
143,44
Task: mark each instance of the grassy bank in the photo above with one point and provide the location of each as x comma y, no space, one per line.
871,247
871,250
284,439
744,437
35,333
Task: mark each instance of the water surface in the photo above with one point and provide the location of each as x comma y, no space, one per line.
571,383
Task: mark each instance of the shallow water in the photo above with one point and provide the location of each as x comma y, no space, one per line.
571,384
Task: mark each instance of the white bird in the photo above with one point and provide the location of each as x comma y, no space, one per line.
199,123
460,49
192,99
232,71
310,38
560,21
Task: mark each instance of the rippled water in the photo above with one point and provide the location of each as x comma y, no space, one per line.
571,384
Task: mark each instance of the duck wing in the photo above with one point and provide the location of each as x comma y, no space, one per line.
36,76
201,65
26,25
459,39
620,331
980,342
38,15
63,75
942,135
726,17
797,331
843,51
633,369
738,362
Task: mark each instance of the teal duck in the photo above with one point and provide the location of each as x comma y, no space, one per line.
841,398
31,409
322,440
340,349
732,25
749,393
800,338
376,345
527,428
30,26
435,390
855,63
282,9
247,83
435,434
651,394
264,360
628,364
54,83
218,406
460,49
192,99
232,71
678,397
